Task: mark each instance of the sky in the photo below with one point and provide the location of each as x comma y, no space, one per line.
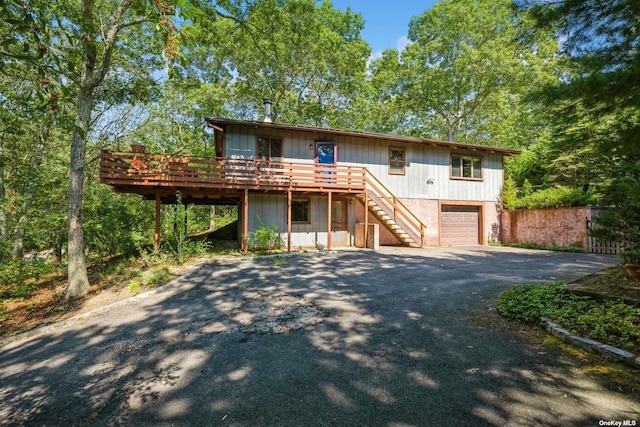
386,22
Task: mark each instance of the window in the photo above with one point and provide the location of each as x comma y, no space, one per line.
466,167
300,211
396,160
269,148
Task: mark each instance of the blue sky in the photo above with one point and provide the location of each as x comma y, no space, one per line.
386,22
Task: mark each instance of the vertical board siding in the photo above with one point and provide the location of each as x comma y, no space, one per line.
423,163
269,210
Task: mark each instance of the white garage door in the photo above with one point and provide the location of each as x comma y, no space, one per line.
460,225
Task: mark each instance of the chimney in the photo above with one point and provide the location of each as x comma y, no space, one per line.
267,110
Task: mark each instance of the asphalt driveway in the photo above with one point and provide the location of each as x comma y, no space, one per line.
348,338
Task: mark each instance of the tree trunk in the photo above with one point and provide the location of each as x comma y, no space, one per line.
18,234
3,215
212,218
77,269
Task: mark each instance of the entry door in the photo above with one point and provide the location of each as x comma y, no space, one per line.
326,157
339,221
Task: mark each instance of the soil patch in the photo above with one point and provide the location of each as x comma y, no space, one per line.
612,283
45,304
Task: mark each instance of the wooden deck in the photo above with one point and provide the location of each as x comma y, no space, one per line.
150,174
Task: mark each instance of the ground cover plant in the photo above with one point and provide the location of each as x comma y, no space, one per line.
610,321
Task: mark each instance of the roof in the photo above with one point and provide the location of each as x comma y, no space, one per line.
217,121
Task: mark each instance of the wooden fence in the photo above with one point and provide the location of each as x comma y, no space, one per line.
600,247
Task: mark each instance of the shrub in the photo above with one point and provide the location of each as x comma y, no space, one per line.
196,248
134,287
610,321
265,238
159,276
553,198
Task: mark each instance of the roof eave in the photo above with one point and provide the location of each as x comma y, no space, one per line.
216,121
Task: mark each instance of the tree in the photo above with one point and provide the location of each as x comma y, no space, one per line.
466,70
308,58
595,108
78,44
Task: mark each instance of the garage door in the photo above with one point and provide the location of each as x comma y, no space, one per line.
460,225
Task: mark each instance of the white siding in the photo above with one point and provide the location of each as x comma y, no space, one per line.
271,210
423,163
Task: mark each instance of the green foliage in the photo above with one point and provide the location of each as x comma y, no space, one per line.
509,194
116,223
179,219
553,198
527,189
621,224
575,247
609,321
307,56
265,239
196,248
278,261
18,271
134,287
465,79
159,276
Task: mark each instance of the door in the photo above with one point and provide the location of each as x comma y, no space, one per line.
326,157
460,225
339,221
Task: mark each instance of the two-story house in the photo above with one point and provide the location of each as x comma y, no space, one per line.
316,184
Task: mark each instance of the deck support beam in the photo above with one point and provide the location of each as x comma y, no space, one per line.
289,221
156,236
245,222
366,218
329,221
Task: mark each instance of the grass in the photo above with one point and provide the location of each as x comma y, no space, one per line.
134,287
610,322
530,245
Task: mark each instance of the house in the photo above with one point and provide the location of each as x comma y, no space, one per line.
314,184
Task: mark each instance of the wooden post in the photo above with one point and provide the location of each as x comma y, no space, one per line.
366,217
289,221
156,236
329,221
245,221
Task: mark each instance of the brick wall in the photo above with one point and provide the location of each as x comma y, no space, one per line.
559,226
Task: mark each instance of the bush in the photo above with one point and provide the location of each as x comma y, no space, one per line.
265,239
609,321
159,277
553,198
196,248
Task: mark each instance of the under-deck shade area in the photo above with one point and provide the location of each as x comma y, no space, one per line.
219,181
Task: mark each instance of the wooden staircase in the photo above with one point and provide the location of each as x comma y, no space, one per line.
392,213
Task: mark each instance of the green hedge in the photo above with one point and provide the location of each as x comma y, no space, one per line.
553,198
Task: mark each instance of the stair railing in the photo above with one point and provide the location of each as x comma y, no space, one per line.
401,214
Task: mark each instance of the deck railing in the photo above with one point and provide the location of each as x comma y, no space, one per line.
146,169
